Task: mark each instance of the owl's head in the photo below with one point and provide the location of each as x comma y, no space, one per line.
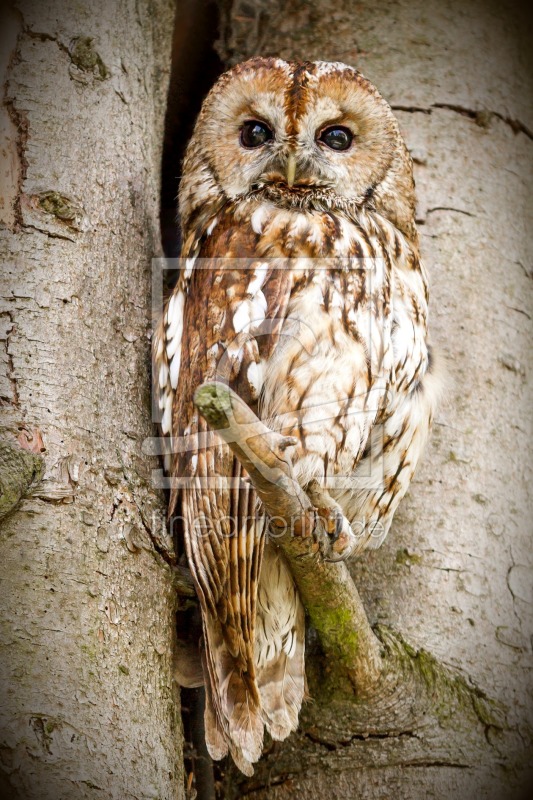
303,132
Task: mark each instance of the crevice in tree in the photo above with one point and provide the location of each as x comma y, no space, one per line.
198,765
20,121
195,67
528,273
10,367
358,737
450,208
45,37
481,117
423,220
518,310
159,548
411,109
50,234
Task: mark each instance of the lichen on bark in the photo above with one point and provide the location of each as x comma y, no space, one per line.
19,471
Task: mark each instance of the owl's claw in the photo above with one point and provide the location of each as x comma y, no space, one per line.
340,542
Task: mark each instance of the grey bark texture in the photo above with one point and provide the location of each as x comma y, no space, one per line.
88,705
454,577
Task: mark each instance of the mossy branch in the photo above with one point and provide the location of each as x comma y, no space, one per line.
326,588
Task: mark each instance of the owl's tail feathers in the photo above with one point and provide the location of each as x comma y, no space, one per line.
233,717
247,691
280,645
282,683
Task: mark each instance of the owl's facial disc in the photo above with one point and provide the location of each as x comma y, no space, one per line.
307,134
298,128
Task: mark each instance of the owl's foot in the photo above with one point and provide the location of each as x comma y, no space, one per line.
340,541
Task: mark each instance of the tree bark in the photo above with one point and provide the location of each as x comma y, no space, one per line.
453,579
88,708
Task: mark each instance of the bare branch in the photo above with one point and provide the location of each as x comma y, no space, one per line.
326,588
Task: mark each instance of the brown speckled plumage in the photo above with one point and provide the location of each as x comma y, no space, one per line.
332,350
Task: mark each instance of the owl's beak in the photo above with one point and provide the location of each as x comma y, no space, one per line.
291,169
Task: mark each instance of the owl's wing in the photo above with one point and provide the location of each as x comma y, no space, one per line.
220,324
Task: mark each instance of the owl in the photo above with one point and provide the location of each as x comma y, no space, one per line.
301,288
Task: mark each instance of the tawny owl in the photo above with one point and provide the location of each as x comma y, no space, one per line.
302,287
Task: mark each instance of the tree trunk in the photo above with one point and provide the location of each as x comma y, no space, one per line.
454,576
89,709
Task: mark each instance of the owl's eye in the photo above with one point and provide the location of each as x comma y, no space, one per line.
255,133
336,137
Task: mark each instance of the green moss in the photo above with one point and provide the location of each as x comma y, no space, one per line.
58,205
488,711
335,627
123,669
84,57
404,557
480,498
411,652
428,668
484,119
448,692
213,402
89,651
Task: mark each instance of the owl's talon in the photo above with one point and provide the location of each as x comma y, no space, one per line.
340,541
343,546
339,519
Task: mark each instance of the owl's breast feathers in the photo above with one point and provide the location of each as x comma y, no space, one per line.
276,291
